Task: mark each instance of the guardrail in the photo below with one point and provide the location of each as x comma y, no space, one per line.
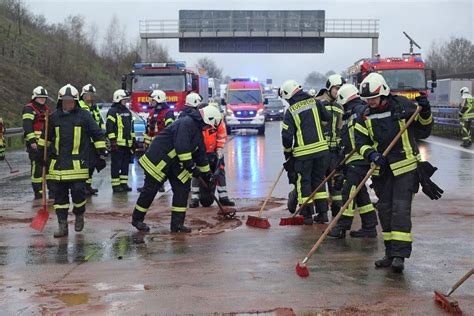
446,120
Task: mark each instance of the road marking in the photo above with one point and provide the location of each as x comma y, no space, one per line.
449,146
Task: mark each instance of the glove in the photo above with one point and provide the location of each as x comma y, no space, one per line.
425,171
100,163
207,177
422,101
220,153
113,146
378,159
288,155
289,164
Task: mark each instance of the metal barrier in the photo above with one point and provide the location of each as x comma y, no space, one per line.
446,120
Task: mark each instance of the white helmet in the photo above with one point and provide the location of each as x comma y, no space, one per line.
39,92
68,92
120,95
193,99
312,92
211,116
214,104
158,96
334,80
374,85
88,88
464,90
346,93
288,89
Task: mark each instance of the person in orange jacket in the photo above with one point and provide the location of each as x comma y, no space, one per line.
214,139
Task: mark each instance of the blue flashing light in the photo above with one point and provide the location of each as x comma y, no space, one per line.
239,113
251,112
374,61
418,59
253,79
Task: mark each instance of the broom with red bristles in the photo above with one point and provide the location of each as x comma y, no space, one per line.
296,219
446,302
259,221
301,268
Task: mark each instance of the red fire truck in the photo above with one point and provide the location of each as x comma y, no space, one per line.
406,75
173,78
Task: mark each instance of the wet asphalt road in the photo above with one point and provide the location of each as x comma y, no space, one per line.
111,269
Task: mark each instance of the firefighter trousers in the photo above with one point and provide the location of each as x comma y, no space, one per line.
394,209
37,176
309,174
61,201
120,161
335,184
150,189
466,130
353,175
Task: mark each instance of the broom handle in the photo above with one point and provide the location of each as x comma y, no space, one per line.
326,179
9,165
359,187
271,191
45,156
461,281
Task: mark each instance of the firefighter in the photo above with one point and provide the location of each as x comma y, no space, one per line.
69,133
214,140
159,117
193,100
121,135
466,114
176,154
401,172
327,96
354,170
34,114
87,102
305,147
2,140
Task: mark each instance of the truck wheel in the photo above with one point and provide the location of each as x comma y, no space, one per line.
261,130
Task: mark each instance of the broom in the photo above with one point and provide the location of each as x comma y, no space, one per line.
298,220
301,268
41,217
446,302
12,170
262,222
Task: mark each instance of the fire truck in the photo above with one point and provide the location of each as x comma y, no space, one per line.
406,75
172,77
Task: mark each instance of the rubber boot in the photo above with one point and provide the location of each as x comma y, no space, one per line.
385,262
398,264
177,223
292,201
126,188
337,232
308,213
226,201
62,229
38,196
137,221
117,189
194,203
321,218
364,232
79,223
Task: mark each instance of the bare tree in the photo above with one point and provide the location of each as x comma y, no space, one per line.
454,56
315,80
158,53
210,66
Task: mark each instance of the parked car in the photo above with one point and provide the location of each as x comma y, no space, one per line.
274,110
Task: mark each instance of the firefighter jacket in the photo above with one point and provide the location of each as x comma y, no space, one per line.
119,125
69,139
302,131
33,121
95,111
377,128
157,120
353,109
332,129
179,148
214,138
466,110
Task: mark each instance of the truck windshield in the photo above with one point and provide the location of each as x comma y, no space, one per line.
405,79
162,82
245,96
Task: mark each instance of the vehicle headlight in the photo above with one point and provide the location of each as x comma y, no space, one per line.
260,112
281,111
229,112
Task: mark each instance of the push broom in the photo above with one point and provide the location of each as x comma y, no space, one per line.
296,219
259,221
12,170
446,302
301,268
41,217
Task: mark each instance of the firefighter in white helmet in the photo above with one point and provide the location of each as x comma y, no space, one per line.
466,115
70,132
121,135
400,172
193,100
305,148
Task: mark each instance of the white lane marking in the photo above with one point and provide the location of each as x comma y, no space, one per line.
449,146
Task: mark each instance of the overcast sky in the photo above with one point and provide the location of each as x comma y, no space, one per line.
426,21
